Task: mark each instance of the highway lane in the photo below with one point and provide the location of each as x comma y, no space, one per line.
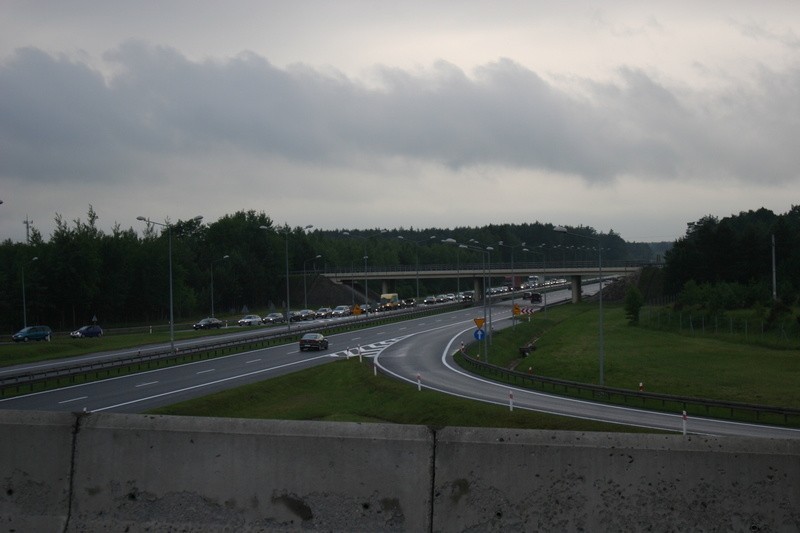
146,390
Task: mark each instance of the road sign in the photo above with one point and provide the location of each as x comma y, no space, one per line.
479,322
357,310
516,310
479,334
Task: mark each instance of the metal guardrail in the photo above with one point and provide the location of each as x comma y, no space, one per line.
790,417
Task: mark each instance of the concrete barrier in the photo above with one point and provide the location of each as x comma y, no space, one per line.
511,480
114,472
35,470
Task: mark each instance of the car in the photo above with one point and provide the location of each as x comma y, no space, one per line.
303,314
32,333
274,318
250,320
429,300
324,312
316,341
409,302
208,323
341,310
87,331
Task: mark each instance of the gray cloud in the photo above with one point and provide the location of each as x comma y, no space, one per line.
60,120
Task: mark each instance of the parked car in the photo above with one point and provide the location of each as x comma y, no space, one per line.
250,320
315,341
32,333
87,331
208,323
341,310
324,312
273,318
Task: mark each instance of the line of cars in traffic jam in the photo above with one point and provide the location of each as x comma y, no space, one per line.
44,333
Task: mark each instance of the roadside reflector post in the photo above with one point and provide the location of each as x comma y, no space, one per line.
510,400
419,382
684,423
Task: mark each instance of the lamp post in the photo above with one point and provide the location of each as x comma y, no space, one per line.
416,250
544,267
286,232
24,305
223,258
305,293
366,286
513,277
486,312
602,355
171,306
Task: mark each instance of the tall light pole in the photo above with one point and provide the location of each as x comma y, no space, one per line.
544,267
416,250
305,293
286,232
602,354
513,277
223,258
24,305
366,286
486,312
171,306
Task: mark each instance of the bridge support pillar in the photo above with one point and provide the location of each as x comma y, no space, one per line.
575,285
480,290
384,287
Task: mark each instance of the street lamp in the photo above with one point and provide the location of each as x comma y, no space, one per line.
544,267
171,306
305,293
416,249
366,286
286,232
513,277
486,312
24,305
224,257
602,355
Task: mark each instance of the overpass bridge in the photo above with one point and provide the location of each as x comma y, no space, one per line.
482,276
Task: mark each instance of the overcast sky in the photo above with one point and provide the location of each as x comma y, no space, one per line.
636,117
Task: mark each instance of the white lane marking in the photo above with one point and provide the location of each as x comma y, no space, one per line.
206,371
146,384
252,361
74,399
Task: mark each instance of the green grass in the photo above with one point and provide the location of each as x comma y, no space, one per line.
347,391
666,362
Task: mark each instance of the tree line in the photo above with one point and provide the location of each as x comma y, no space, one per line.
121,278
723,264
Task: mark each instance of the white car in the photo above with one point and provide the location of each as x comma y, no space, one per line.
250,320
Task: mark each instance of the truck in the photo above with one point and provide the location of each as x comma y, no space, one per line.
389,302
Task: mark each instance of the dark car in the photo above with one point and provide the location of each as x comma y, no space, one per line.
306,314
32,333
208,323
313,341
274,318
324,312
87,331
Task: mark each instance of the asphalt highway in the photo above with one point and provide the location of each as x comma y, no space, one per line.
417,351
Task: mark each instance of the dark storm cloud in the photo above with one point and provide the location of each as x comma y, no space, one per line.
62,120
